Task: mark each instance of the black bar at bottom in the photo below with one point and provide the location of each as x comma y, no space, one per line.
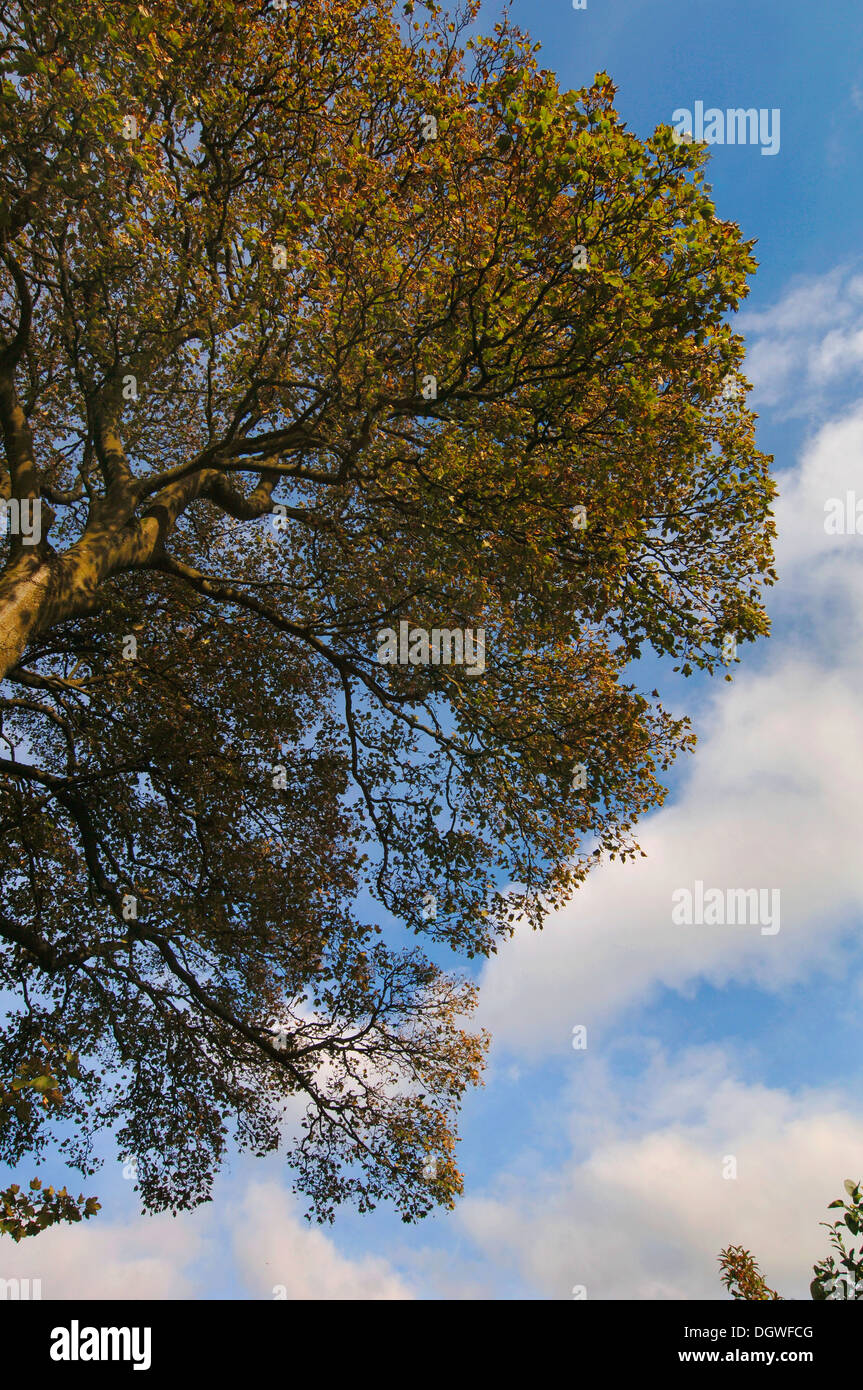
84,1339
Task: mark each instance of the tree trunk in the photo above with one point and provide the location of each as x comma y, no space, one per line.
25,592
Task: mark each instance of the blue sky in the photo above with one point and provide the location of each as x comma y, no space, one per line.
603,1167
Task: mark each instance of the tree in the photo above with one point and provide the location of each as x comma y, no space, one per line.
25,1214
742,1276
840,1278
318,321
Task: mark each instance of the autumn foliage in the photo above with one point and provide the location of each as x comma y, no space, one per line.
233,253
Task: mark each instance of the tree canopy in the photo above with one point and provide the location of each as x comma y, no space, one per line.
315,321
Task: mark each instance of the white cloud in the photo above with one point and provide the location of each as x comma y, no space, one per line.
162,1257
771,801
809,341
645,1211
274,1246
145,1258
